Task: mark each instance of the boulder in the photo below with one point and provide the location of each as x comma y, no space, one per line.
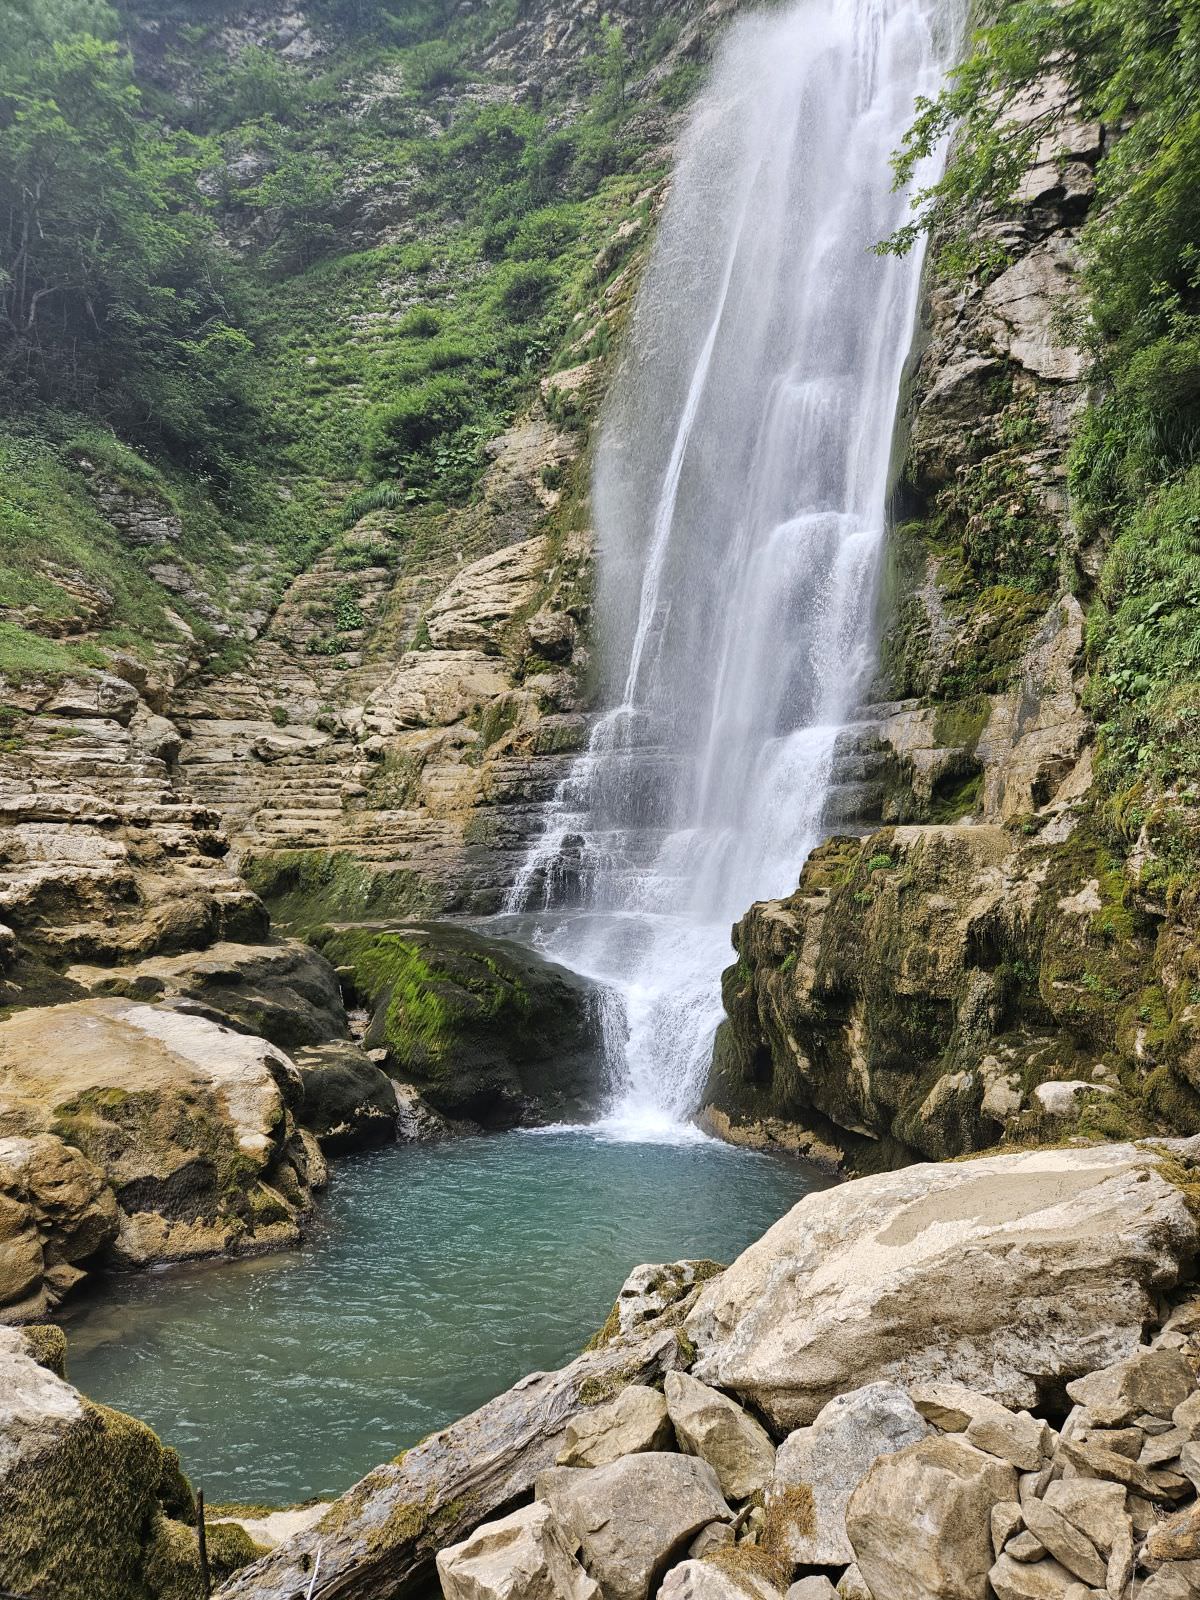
524,1556
487,1031
349,1102
417,1122
1071,1548
633,1516
283,991
1096,1508
383,1534
713,1427
85,1494
1177,1580
815,1588
651,1288
1007,1274
1026,1547
1024,1440
853,1586
709,1580
919,1523
830,1459
1007,1522
56,1211
1032,1580
635,1421
190,1123
1150,1382
1019,1438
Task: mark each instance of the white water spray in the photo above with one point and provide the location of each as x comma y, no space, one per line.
739,499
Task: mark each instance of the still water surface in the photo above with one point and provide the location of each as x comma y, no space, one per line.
433,1279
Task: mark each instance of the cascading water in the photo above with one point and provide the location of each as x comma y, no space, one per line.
739,498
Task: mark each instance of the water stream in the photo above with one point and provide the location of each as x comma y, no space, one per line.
739,509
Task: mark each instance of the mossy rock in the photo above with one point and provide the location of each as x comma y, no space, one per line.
488,1031
83,1518
48,1347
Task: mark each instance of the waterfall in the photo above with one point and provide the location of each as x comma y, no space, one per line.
739,508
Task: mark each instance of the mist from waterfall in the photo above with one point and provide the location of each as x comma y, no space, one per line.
739,509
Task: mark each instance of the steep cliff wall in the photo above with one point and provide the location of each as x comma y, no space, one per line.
1008,956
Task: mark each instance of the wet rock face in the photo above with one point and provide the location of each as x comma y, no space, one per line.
405,759
102,856
487,1031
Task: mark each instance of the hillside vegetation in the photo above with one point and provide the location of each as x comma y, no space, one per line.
273,272
1135,461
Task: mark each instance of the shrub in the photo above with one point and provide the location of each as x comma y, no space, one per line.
521,288
422,322
415,419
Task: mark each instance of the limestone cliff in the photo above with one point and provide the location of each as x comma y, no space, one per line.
991,953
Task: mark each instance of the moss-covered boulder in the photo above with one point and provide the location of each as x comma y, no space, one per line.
92,1505
488,1031
190,1125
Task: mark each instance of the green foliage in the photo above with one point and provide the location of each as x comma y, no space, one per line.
112,295
1145,637
409,261
259,83
300,199
382,497
415,420
1134,474
521,287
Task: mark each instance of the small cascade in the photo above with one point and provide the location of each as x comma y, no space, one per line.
739,504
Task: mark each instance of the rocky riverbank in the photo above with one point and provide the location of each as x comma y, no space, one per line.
184,1105
957,1382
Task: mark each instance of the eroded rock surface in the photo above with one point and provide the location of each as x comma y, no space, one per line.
91,1504
191,1124
1068,1250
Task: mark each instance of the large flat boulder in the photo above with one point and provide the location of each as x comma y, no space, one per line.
282,991
190,1123
1011,1275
